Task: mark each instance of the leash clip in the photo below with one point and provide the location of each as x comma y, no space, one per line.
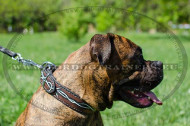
18,57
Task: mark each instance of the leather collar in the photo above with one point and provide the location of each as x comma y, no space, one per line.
62,93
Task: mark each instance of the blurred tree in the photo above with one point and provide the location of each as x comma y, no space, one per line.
74,23
16,15
21,13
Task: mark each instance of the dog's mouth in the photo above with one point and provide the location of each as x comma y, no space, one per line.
137,90
139,99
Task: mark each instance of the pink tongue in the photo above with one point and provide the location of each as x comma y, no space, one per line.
153,97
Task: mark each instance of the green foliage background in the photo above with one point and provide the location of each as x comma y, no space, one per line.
36,14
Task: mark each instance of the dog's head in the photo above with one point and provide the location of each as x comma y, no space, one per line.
131,76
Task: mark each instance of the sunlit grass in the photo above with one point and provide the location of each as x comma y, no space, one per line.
53,47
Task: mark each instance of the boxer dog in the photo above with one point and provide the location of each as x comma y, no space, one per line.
111,68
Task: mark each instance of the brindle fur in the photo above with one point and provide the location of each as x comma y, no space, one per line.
95,85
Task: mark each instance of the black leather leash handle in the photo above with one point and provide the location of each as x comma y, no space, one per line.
18,57
8,52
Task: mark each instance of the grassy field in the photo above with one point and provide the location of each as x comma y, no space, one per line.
53,47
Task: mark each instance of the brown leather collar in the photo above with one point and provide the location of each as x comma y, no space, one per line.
62,93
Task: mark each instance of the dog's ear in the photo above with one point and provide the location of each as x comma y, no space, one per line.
100,47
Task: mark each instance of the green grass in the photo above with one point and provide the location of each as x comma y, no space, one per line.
53,47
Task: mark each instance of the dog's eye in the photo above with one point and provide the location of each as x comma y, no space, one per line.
140,62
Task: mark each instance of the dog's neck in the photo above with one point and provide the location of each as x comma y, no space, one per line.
89,81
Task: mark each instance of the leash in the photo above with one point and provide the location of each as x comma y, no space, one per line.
51,85
20,59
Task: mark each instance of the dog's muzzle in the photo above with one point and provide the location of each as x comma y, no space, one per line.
137,91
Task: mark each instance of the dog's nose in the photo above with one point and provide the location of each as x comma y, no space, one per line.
157,63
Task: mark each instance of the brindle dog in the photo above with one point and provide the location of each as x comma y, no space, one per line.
112,68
